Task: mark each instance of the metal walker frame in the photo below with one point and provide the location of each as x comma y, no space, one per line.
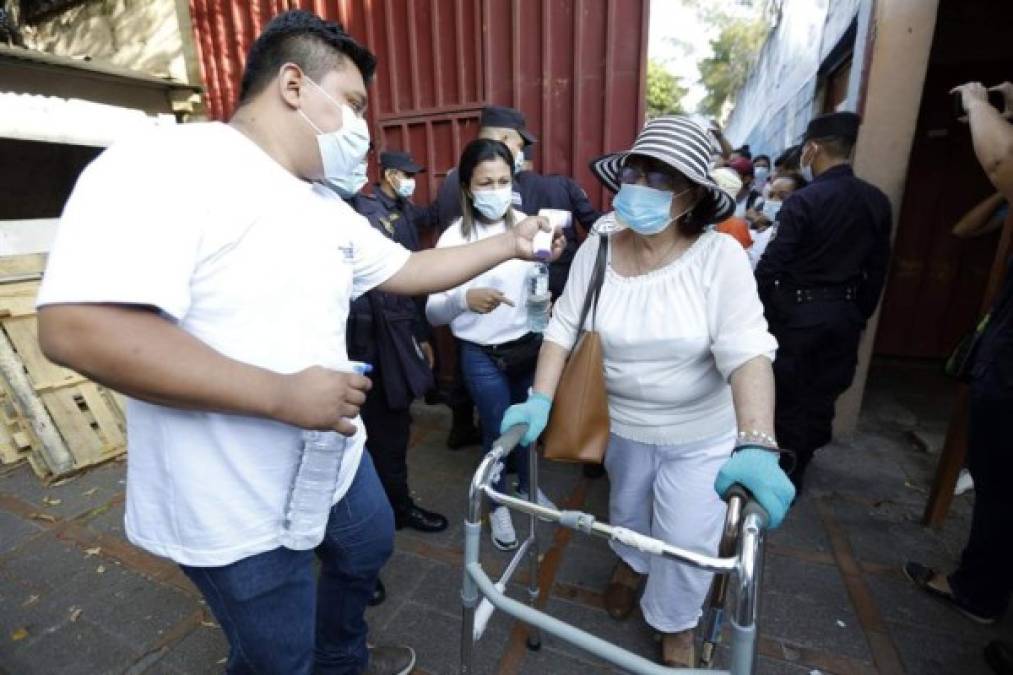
740,553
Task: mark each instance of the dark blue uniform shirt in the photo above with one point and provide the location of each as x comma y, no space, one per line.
833,233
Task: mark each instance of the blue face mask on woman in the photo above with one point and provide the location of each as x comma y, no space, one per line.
645,210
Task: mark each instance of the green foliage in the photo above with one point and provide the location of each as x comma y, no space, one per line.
664,91
734,52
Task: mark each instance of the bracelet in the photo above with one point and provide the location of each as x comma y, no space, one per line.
792,459
754,436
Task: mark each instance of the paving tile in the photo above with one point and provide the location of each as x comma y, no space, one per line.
80,494
929,652
806,604
70,648
199,653
15,531
436,640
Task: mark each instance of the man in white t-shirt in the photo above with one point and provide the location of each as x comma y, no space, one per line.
204,271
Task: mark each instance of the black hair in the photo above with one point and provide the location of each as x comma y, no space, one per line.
790,159
478,151
701,215
759,157
303,38
743,152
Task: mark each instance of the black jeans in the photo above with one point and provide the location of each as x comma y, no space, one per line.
984,580
815,363
388,431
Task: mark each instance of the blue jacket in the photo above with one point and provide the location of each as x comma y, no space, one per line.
385,329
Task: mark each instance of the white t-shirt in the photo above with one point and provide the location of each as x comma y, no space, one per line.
503,324
671,338
199,222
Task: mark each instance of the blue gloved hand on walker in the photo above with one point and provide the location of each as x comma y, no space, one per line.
759,471
534,412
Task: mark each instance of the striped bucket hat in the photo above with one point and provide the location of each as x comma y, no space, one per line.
679,142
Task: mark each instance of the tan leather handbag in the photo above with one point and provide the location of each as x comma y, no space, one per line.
578,429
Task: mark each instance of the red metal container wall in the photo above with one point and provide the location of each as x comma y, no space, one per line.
574,67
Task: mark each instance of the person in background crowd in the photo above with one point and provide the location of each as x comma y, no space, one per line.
981,586
227,330
488,315
747,195
531,193
687,360
390,332
820,280
728,180
763,223
761,172
788,161
741,152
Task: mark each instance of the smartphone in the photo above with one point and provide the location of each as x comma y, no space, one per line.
995,99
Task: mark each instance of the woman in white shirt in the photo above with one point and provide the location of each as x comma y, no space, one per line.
687,360
488,314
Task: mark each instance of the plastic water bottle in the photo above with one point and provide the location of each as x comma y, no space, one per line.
538,298
312,493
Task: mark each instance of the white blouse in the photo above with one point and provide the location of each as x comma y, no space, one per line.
671,338
503,324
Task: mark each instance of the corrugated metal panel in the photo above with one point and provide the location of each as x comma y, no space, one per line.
574,67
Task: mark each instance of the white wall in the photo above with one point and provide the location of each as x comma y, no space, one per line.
772,109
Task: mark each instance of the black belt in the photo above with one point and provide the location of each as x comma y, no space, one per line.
802,296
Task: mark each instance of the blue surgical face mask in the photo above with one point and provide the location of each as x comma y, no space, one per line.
348,186
343,150
760,175
493,204
519,161
645,210
770,209
807,169
406,187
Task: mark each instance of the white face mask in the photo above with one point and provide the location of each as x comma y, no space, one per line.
343,150
349,185
519,161
493,204
405,187
770,209
807,169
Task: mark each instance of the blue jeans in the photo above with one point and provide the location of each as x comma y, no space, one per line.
280,618
493,392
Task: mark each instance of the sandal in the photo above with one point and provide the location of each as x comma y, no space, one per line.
922,576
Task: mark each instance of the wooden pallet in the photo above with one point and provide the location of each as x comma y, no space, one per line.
68,422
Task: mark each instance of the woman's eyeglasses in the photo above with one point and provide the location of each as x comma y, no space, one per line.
658,180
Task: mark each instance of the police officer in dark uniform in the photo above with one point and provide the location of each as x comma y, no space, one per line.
532,192
820,280
390,332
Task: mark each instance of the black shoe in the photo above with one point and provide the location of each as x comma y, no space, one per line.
379,594
462,437
390,660
921,576
999,656
594,470
417,518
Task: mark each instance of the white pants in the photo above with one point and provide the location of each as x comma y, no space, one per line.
667,492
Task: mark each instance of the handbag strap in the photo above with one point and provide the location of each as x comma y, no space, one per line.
594,288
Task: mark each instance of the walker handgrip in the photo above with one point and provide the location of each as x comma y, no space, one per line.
751,506
511,438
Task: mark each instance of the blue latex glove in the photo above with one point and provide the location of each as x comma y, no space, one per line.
759,472
534,412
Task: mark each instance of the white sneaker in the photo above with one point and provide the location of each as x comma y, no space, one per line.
503,536
542,499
